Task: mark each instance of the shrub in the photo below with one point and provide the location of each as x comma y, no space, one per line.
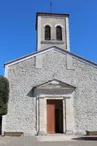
4,95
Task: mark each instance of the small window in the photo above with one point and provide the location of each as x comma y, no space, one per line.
47,32
59,33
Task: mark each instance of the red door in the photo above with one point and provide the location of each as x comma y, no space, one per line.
50,117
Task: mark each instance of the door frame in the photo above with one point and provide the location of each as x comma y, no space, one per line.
42,120
54,102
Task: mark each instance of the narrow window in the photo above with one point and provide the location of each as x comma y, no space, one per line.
59,33
47,32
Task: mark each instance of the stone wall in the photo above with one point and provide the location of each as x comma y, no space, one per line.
24,75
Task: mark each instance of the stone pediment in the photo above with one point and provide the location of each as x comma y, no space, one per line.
52,88
55,84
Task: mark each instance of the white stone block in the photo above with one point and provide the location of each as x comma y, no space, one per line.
39,60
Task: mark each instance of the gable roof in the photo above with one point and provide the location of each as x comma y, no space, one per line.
49,49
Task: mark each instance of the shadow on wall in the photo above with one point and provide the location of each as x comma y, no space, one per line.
31,93
86,138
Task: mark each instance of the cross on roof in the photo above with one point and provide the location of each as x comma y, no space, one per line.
51,6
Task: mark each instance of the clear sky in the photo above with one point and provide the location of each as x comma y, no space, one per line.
18,34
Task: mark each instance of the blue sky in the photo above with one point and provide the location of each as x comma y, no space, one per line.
18,34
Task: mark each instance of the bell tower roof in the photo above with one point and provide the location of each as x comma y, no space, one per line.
49,14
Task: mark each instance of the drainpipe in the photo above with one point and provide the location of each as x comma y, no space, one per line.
37,115
3,125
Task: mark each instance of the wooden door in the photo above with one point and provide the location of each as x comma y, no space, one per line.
50,117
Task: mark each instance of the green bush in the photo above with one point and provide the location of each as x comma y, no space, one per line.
4,95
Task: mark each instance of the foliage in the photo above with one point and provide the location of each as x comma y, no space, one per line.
4,95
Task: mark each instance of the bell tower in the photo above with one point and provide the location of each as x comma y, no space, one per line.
52,30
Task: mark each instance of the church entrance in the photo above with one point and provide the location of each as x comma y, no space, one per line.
54,116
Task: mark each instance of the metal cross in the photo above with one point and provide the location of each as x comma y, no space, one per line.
51,6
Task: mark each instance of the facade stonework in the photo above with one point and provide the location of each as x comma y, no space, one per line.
24,75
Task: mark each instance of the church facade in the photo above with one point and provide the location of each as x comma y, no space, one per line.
51,90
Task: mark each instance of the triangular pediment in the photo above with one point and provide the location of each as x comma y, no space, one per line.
63,51
52,87
55,84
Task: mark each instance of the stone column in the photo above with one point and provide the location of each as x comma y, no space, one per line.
42,116
69,115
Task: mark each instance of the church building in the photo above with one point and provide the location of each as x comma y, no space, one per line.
51,90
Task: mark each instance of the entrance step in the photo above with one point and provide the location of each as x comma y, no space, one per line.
14,134
91,133
55,137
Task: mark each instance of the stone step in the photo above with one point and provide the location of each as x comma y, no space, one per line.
14,134
91,132
56,138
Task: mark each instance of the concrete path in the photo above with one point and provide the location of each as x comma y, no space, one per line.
62,137
18,141
34,141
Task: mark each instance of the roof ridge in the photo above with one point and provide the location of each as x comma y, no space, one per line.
53,47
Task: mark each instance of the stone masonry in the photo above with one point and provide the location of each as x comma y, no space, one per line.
23,76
